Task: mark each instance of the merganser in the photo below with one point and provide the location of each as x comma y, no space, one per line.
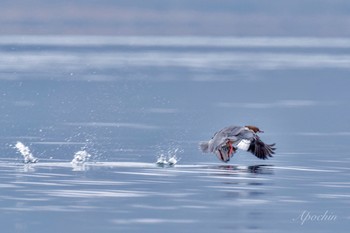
225,143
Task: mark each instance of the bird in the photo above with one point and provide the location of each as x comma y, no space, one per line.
228,140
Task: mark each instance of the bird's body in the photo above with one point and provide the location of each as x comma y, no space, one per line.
225,142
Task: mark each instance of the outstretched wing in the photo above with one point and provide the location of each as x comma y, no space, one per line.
260,149
221,137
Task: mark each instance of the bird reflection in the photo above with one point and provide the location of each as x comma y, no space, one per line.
261,169
254,169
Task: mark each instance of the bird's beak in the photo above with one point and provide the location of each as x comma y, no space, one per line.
260,131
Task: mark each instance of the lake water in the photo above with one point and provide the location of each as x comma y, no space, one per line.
128,100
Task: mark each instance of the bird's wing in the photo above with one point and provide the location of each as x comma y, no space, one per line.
221,137
260,149
250,141
232,131
243,139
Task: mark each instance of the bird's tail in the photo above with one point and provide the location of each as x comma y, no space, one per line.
204,147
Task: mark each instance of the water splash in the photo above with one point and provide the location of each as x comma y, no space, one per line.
173,156
173,160
81,157
168,160
162,160
88,143
25,152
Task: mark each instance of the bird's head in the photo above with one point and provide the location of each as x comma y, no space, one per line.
254,129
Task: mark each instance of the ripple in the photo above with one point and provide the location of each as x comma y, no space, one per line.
152,221
153,207
304,169
49,208
147,173
95,193
95,182
332,196
41,183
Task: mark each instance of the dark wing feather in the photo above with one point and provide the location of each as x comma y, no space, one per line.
260,149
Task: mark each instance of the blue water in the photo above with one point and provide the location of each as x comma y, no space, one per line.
128,100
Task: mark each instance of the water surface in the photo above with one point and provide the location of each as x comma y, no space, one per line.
126,101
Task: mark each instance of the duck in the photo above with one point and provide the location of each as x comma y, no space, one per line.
228,140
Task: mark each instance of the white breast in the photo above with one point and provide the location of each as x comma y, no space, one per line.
243,144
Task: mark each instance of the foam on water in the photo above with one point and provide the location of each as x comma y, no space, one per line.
168,160
25,152
81,157
163,160
172,160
